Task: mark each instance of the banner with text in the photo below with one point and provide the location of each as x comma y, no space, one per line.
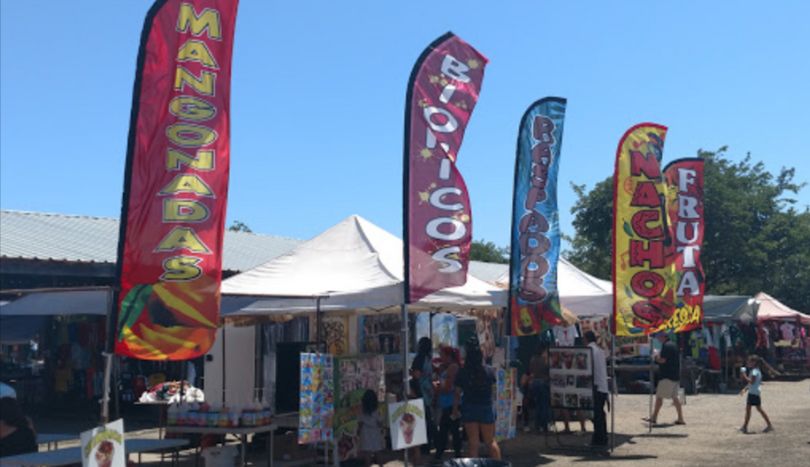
643,275
176,182
684,179
437,218
533,292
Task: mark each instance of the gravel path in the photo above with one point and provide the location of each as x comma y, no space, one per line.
710,437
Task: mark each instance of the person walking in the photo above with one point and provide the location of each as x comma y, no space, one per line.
540,388
753,376
669,374
422,370
446,389
474,390
600,391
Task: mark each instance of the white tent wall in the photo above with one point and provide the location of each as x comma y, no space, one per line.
240,366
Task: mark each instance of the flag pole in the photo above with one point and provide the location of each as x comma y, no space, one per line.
613,392
652,385
404,310
108,356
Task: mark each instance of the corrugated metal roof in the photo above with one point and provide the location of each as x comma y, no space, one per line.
62,237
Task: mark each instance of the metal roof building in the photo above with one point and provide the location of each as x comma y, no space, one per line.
59,250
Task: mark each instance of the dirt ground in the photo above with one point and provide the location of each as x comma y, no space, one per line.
710,436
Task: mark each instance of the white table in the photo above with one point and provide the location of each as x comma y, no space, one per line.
240,432
55,438
73,455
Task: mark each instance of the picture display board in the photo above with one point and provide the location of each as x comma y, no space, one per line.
104,446
571,374
407,424
506,404
353,376
317,406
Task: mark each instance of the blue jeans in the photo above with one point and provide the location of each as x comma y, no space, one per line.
542,403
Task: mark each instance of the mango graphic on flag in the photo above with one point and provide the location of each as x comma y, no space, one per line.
169,318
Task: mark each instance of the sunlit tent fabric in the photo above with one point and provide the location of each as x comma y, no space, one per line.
354,265
772,309
581,293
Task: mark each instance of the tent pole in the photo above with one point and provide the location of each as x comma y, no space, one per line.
613,390
108,355
105,402
652,385
404,313
318,323
223,362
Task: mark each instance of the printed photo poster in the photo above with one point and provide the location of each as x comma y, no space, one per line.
571,372
445,329
380,334
104,446
334,332
407,422
317,406
353,376
506,404
600,326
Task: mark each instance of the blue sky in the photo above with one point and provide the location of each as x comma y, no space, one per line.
319,89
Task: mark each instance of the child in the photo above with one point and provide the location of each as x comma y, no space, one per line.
754,378
370,429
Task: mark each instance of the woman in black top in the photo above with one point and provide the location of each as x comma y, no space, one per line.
15,435
474,389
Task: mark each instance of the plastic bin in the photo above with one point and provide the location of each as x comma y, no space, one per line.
475,462
220,456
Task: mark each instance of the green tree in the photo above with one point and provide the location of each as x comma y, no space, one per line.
482,250
239,226
755,239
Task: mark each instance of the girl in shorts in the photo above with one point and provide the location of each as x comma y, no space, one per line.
753,376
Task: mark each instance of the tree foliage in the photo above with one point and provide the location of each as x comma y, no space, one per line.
239,226
755,238
482,250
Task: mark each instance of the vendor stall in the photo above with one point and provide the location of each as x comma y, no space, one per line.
783,335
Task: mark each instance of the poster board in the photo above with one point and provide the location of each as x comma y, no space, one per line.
445,329
104,446
407,424
571,373
380,334
353,376
506,404
335,333
316,408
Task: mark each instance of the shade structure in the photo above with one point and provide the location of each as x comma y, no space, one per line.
353,266
59,303
90,301
722,308
772,309
581,293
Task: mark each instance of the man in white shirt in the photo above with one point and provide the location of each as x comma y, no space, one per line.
600,391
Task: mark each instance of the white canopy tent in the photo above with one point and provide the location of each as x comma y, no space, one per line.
353,266
581,293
